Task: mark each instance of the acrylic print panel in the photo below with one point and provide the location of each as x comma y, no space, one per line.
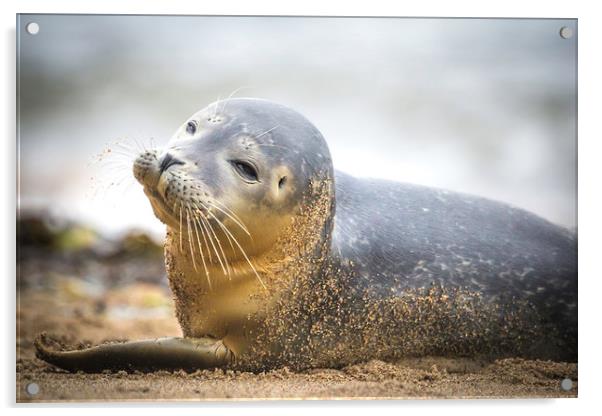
294,207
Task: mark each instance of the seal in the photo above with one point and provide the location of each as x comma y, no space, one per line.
276,259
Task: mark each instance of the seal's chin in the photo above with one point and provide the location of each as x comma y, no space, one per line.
162,211
149,171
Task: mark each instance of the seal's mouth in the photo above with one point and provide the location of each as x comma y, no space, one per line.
168,161
150,172
175,196
161,208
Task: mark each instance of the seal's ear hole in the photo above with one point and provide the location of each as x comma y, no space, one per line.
282,182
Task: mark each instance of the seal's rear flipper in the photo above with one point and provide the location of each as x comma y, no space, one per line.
147,355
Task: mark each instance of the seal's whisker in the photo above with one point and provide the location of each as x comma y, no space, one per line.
190,240
270,145
202,255
206,244
126,188
125,150
242,251
230,96
221,204
245,229
221,224
116,164
125,146
126,142
210,228
146,146
231,245
220,247
266,132
121,153
119,180
136,146
208,239
114,186
110,156
216,106
181,248
107,185
139,147
204,224
151,146
118,174
116,155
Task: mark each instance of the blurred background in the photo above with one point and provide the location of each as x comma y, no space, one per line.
481,106
484,106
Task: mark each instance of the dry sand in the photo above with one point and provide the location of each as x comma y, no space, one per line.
145,311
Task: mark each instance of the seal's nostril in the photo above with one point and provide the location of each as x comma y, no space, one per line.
167,161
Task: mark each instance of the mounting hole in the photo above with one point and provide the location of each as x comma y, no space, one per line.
566,32
566,384
32,28
32,389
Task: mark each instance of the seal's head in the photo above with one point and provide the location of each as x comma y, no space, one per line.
242,167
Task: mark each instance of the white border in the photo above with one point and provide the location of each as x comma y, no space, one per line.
590,208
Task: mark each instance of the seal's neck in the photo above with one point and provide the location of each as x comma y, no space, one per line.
239,302
304,245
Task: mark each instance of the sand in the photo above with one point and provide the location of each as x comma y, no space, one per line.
73,313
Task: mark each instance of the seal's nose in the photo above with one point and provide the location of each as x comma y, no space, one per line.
146,168
167,161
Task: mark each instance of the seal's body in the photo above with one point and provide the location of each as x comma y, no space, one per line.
407,236
274,259
397,238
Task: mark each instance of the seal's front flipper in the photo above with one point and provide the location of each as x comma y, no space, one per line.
146,355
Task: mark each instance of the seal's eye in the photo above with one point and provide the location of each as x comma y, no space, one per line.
246,170
191,127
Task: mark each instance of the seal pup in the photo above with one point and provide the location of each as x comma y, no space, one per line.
275,259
